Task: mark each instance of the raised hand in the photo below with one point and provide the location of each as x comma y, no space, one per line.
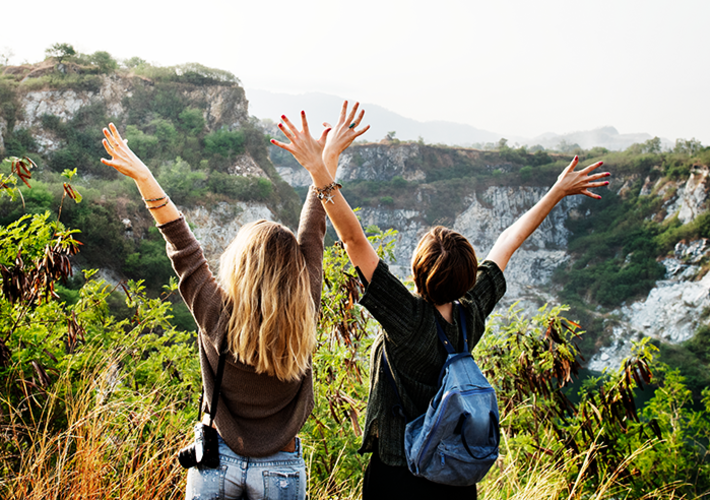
125,161
122,158
572,181
307,151
344,132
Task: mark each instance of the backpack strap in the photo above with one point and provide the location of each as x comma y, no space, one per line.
447,345
398,409
445,340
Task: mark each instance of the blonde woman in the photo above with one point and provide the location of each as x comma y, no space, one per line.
450,284
263,307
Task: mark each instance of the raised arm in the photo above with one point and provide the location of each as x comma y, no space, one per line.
570,182
322,173
125,161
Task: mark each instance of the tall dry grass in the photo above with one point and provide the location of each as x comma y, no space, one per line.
519,476
119,445
112,446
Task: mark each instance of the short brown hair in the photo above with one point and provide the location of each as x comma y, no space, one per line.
444,266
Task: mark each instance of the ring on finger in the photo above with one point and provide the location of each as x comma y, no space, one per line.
352,125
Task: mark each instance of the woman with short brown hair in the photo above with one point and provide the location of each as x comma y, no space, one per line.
449,281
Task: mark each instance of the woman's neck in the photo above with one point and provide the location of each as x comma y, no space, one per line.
446,310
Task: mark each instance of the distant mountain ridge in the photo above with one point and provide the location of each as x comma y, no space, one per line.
323,107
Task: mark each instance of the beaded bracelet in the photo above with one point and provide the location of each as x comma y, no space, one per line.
324,192
159,206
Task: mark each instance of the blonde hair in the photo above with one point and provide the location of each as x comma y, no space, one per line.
266,283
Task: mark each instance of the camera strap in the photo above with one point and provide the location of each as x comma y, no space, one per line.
212,410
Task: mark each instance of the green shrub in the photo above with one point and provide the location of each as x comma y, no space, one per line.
225,143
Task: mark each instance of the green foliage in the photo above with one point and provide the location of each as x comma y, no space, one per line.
103,60
191,121
532,361
149,262
60,51
225,143
19,143
183,184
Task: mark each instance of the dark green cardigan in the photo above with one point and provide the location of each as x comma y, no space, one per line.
414,351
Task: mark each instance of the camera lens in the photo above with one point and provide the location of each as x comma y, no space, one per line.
186,456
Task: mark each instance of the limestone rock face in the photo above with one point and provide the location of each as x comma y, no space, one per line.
245,166
296,177
379,164
225,107
690,197
673,309
671,312
65,103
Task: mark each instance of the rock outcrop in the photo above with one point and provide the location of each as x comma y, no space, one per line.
671,312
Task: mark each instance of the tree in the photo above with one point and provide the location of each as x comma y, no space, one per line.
688,147
60,51
104,61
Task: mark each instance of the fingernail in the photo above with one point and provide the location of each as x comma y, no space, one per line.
606,183
601,163
576,157
283,116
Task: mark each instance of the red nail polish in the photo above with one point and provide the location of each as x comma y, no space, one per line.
606,183
601,163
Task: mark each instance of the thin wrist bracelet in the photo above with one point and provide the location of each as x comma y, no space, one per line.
324,192
159,206
156,199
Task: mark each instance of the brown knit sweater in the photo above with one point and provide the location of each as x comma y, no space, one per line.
257,414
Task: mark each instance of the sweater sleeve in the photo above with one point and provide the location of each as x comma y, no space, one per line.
311,231
197,285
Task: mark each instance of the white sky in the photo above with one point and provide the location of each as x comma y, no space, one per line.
517,67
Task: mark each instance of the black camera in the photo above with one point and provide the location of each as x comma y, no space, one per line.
204,451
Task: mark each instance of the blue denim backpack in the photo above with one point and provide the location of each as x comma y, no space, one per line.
456,441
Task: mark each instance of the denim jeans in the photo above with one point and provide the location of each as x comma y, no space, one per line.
281,476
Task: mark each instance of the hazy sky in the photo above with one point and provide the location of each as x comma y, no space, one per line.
514,67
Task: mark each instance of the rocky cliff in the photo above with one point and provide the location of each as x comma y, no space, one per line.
55,112
428,185
672,310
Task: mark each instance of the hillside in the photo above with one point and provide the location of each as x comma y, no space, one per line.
99,373
189,124
632,265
